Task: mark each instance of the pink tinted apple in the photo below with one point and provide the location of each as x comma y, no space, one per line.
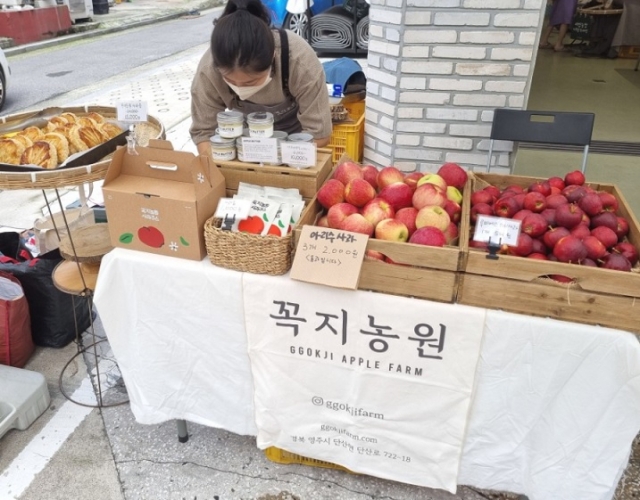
331,193
433,216
323,221
454,210
429,236
356,223
338,213
370,174
408,217
398,195
377,210
391,230
433,179
347,171
359,192
428,195
374,255
454,175
412,179
389,175
451,233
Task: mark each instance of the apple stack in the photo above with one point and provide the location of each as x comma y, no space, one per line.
563,220
419,208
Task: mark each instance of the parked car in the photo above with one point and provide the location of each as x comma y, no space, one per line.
297,22
5,76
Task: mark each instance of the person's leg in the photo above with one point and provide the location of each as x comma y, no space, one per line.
544,39
559,46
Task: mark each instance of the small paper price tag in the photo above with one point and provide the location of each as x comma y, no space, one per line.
299,154
261,150
497,229
132,111
329,257
228,207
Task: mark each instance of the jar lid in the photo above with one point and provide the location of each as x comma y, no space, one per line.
260,117
300,137
230,116
280,134
221,141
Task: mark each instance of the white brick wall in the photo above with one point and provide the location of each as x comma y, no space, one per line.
437,70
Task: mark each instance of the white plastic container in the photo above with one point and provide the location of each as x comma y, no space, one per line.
223,149
260,124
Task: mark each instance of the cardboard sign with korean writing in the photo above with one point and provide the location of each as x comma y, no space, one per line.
329,257
497,229
132,111
376,383
260,150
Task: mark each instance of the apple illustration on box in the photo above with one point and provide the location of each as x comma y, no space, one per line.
252,224
151,236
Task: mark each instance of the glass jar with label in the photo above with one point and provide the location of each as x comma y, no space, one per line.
223,149
260,124
300,137
280,136
230,124
239,150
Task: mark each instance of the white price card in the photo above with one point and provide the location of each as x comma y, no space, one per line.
132,111
229,207
299,154
260,150
499,230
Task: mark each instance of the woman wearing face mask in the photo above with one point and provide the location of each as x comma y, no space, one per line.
251,67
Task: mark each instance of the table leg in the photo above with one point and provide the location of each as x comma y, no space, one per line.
183,433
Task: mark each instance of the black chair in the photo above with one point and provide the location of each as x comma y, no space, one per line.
547,127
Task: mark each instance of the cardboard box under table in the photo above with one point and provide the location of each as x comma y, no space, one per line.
307,180
418,271
159,199
595,296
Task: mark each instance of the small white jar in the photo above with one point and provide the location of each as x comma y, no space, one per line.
239,149
223,149
230,124
260,124
300,137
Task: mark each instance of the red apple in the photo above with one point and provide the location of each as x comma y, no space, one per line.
542,187
370,174
495,192
534,225
589,262
481,245
537,256
433,216
521,214
347,171
550,216
428,195
568,215
581,231
323,221
451,233
377,210
617,262
374,255
454,175
412,179
524,246
338,213
574,178
552,236
628,250
555,200
433,179
622,228
391,230
359,192
480,209
591,204
429,236
454,210
607,236
482,196
573,193
609,202
607,219
535,201
331,193
538,246
505,207
516,188
519,199
595,249
389,175
570,249
556,182
398,195
408,217
356,223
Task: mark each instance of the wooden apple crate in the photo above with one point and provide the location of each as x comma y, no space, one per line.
595,296
307,180
427,272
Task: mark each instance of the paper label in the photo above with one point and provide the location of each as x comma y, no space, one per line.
132,111
299,154
260,150
498,230
228,207
329,257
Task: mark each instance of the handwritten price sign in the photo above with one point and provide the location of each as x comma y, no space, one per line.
497,229
132,111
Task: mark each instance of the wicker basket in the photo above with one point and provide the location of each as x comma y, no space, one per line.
247,252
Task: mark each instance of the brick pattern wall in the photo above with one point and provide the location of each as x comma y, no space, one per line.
437,69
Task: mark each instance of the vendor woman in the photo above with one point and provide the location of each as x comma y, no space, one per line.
251,67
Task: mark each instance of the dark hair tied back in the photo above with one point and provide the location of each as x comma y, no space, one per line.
242,37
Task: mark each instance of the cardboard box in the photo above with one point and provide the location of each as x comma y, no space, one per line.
307,180
595,296
159,200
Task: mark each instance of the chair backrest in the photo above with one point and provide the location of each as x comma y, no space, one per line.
542,126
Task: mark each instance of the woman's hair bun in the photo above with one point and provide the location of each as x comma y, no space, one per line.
254,7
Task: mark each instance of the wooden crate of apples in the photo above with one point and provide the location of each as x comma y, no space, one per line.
576,257
413,222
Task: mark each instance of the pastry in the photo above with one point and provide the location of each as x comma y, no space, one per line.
70,117
23,139
96,117
110,130
91,136
60,142
42,154
10,151
33,133
76,144
85,121
55,122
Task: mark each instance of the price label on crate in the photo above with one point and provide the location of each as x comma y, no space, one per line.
329,257
260,150
230,207
299,154
132,111
497,229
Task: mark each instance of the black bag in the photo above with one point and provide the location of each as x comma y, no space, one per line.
362,8
52,311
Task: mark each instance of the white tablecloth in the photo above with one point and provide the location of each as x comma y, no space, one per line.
556,404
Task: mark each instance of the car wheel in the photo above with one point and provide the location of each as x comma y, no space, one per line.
2,87
298,23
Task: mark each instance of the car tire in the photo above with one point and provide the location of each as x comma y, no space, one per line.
3,94
298,23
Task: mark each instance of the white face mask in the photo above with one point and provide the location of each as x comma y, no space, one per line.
245,92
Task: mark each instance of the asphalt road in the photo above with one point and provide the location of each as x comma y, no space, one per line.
41,75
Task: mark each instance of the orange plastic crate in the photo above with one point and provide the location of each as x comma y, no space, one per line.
281,456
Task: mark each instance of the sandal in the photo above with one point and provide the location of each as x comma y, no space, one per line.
561,49
545,46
